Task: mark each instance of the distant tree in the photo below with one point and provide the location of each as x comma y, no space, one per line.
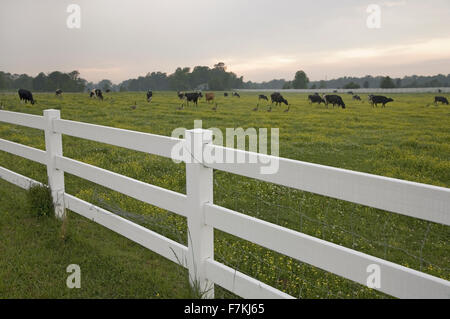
40,82
313,87
300,81
387,83
366,84
287,85
352,85
104,85
323,84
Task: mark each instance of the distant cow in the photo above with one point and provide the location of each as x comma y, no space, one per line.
192,97
278,99
335,100
263,97
180,95
99,94
236,94
225,94
440,99
209,97
316,98
149,96
58,92
356,98
25,95
378,99
107,90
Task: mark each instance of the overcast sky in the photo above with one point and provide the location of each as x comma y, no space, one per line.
259,39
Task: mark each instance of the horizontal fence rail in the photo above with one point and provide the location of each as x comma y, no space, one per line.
27,152
138,141
417,200
23,119
154,195
336,259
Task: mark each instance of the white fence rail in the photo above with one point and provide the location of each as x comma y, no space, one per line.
437,90
412,199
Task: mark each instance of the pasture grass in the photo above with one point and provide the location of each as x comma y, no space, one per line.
409,139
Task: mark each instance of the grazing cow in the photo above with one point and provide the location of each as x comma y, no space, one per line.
192,97
350,92
378,99
278,99
180,95
236,94
58,92
225,94
335,100
25,95
262,97
209,97
356,98
440,99
335,91
149,96
107,90
99,94
315,99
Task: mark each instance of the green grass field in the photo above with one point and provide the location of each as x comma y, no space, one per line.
409,139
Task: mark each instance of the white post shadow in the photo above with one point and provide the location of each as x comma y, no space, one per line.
199,190
53,145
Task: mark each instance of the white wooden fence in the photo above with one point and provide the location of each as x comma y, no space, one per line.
421,201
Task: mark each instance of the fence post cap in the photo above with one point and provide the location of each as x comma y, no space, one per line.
50,112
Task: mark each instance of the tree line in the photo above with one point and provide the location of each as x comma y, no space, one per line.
216,78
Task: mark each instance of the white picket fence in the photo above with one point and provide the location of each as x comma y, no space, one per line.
421,201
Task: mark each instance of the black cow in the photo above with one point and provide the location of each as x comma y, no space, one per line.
225,94
263,97
335,100
441,99
278,99
316,98
356,98
58,92
379,99
192,97
25,95
149,96
236,94
99,94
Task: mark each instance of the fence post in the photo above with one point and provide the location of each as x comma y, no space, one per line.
53,145
199,190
